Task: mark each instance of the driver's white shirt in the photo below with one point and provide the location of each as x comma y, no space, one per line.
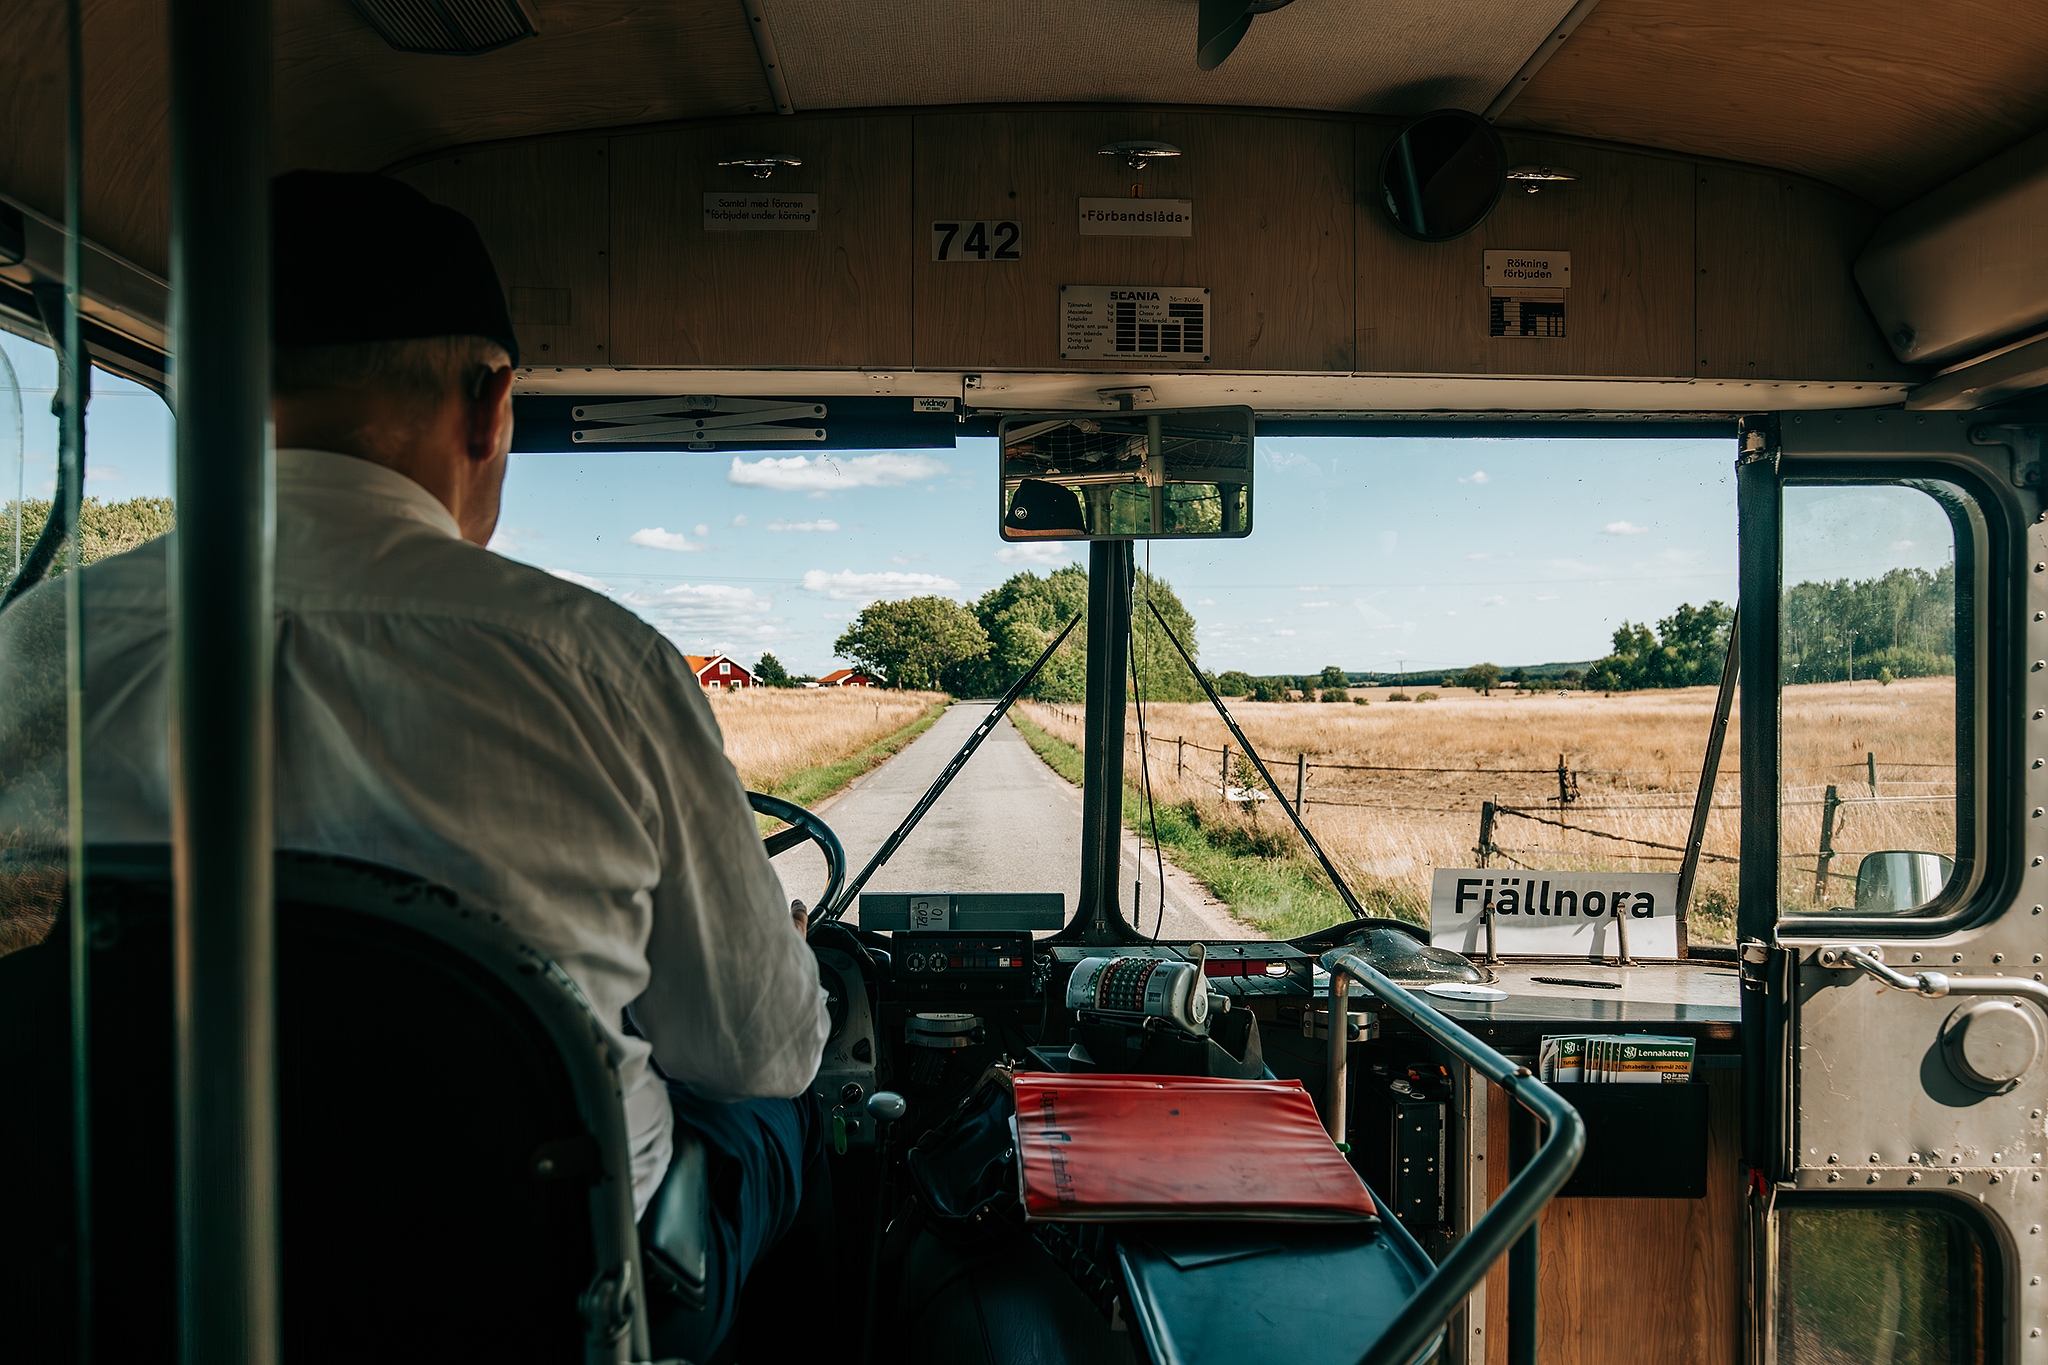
444,710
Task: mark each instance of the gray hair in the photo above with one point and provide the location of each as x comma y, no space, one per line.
422,368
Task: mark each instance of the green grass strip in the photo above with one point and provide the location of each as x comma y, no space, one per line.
808,786
1265,876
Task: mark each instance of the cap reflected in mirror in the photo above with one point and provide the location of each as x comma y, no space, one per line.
1127,476
1040,510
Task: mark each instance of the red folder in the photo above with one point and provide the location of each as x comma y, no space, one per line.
1116,1148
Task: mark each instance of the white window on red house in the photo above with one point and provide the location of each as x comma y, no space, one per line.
724,669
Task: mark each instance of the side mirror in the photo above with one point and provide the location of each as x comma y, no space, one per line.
1442,175
1895,882
1179,474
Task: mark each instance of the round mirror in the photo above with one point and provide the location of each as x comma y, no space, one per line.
1442,175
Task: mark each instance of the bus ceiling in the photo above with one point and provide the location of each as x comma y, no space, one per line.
1701,216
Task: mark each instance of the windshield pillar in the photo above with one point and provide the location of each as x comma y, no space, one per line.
1110,573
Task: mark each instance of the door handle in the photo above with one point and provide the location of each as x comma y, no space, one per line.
1869,959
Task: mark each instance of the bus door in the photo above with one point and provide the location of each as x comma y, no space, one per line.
1894,733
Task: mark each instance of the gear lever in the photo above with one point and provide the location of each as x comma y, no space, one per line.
884,1107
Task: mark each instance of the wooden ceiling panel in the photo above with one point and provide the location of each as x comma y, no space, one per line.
1885,98
127,133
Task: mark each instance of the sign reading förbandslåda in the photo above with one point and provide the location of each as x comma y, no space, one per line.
1554,914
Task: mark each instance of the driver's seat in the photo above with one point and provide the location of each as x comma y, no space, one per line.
454,1161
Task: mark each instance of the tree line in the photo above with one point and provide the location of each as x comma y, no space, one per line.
979,650
106,528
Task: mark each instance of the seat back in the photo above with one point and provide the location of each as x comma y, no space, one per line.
453,1156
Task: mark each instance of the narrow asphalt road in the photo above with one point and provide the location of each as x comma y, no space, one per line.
1007,823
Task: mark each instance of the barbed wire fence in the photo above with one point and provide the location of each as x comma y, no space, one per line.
1883,784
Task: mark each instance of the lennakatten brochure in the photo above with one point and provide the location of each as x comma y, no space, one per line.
1645,1058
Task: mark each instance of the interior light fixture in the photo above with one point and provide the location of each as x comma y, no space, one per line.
441,28
1534,178
1137,156
764,166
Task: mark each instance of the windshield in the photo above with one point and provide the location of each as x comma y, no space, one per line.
1418,630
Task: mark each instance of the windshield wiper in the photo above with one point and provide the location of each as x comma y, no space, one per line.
945,778
1357,911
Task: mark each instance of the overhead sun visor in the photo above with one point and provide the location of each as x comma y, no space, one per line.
1962,270
709,422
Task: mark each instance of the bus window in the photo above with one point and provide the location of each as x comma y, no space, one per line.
1870,728
1902,1284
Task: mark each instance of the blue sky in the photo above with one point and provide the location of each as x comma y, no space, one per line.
1366,553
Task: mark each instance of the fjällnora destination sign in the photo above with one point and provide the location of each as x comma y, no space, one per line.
1555,914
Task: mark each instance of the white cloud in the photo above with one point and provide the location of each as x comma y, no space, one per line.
821,524
1388,540
1493,601
1052,553
1622,528
581,580
832,473
1895,545
1476,476
904,559
1492,554
1312,587
702,529
661,538
1206,602
740,520
848,586
1546,597
1307,606
1283,632
106,473
717,617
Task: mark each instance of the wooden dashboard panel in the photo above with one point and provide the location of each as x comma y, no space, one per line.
835,296
1425,307
1680,271
1271,239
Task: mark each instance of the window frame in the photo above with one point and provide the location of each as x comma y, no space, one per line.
1990,643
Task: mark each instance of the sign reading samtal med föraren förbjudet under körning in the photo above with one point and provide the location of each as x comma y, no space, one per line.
1554,914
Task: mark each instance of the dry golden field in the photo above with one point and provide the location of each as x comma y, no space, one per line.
772,733
1633,761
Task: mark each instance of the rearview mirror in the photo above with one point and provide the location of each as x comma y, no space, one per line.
1182,473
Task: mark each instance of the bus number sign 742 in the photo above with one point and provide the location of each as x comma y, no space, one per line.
981,240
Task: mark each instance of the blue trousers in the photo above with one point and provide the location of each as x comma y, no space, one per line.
769,1184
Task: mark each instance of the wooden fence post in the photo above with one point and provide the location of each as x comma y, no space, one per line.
1564,794
1226,770
1485,833
1300,778
1872,759
1827,844
1180,756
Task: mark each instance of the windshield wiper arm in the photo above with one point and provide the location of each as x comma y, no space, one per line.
1357,912
945,778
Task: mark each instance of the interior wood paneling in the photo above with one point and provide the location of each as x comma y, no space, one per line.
1271,234
1886,98
1636,1281
1777,292
544,211
1628,223
127,131
836,296
346,101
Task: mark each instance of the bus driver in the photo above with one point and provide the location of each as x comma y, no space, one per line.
441,709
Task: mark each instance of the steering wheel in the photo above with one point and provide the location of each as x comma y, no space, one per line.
804,827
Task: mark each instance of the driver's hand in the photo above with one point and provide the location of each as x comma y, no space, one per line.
801,918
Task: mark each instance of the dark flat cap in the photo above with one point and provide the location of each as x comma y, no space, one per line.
1042,508
357,258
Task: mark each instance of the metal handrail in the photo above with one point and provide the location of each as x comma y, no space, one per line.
1416,1326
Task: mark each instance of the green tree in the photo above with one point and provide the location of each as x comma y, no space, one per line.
108,528
1024,613
1688,649
912,642
1481,678
1333,676
769,672
1520,677
1235,683
1267,689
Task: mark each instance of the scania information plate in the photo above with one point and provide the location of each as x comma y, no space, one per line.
1133,322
